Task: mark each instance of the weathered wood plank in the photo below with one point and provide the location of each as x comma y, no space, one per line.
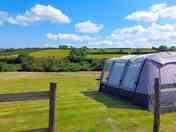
24,96
52,107
156,120
51,95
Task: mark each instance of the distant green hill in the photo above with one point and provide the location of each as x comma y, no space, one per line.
61,53
58,53
92,53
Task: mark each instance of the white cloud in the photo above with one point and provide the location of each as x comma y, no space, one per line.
65,37
35,14
88,27
143,16
68,37
154,13
135,36
158,7
139,36
3,17
130,30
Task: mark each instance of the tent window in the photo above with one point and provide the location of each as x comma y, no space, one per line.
106,71
168,76
130,79
116,74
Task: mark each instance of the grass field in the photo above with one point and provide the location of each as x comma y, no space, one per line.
80,108
61,53
58,53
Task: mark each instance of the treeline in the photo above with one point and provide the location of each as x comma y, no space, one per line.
11,51
77,60
132,50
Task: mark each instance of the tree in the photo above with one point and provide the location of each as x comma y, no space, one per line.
78,54
154,48
4,67
163,48
172,48
51,65
23,58
137,50
63,47
121,51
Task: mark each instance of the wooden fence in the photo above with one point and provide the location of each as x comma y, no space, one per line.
51,95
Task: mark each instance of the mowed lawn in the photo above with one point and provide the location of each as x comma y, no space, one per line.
80,108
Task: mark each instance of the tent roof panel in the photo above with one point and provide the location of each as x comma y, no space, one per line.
161,57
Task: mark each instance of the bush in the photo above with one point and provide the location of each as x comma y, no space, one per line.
51,65
23,58
78,54
4,67
76,61
163,48
172,48
85,66
72,67
63,47
32,65
96,65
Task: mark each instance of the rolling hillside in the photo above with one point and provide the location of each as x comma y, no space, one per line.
61,53
58,53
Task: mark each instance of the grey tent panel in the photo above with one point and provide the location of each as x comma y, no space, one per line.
133,76
115,76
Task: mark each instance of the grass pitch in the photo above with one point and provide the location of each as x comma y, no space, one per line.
80,108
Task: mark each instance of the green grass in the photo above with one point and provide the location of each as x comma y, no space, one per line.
80,108
15,52
61,53
58,53
7,56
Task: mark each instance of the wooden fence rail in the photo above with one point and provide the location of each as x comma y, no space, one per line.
51,95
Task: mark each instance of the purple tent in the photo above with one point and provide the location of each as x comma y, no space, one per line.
132,77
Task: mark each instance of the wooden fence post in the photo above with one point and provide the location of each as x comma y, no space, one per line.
156,120
99,84
52,107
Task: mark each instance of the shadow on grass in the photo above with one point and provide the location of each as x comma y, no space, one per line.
111,101
36,130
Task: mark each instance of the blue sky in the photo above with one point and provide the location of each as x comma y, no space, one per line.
92,23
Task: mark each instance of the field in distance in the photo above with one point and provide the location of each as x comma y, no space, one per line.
80,108
58,53
61,53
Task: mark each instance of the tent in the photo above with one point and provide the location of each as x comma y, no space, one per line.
132,77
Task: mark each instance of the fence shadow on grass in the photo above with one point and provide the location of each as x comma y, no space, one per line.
36,130
111,101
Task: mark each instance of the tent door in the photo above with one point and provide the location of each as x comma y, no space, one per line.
168,87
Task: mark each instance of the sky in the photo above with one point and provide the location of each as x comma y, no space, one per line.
91,23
